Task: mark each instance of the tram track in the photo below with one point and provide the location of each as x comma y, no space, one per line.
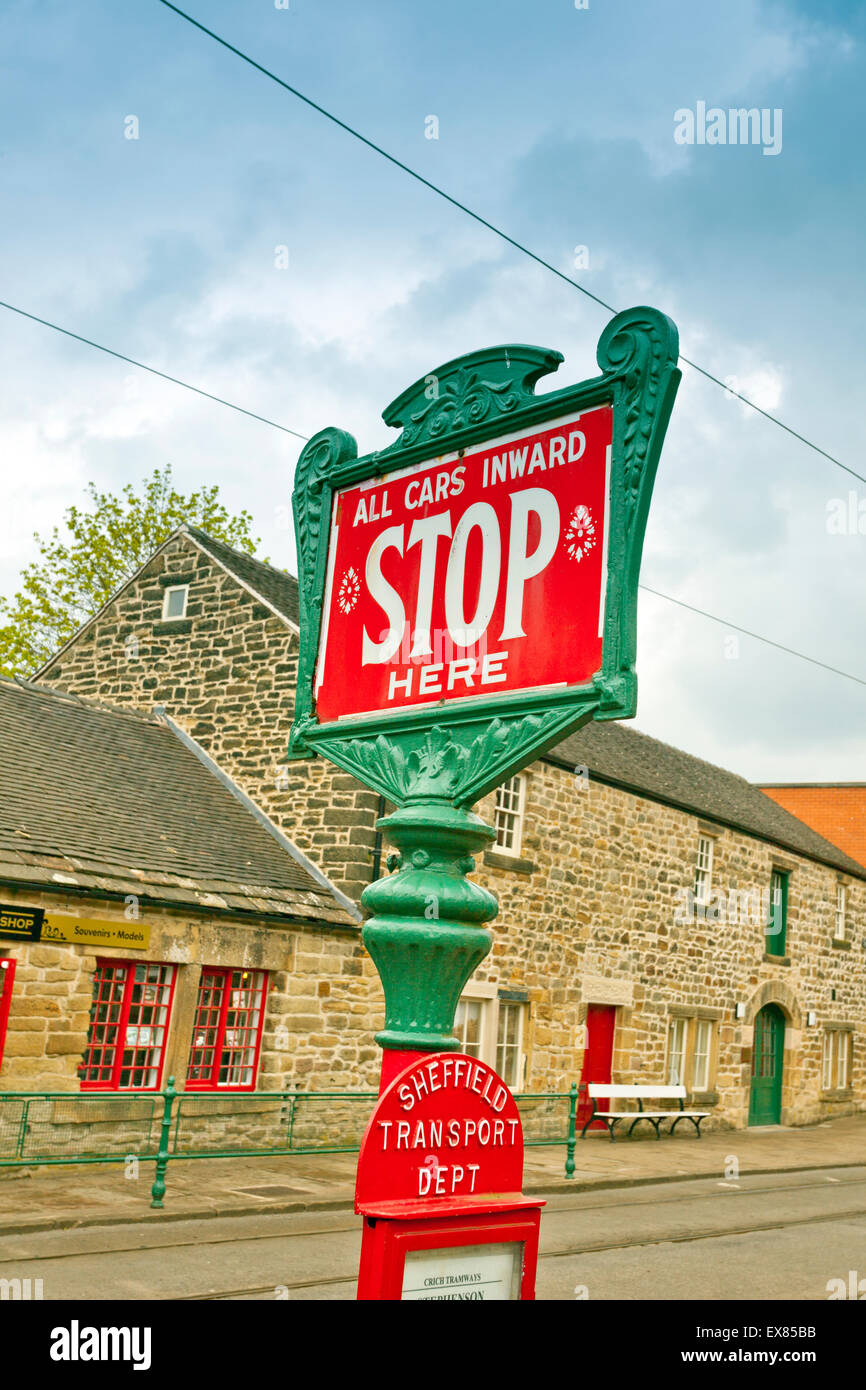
543,1255
349,1228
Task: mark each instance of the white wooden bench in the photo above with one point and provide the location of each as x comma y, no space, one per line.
612,1117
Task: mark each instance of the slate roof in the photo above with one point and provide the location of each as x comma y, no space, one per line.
111,801
616,754
275,585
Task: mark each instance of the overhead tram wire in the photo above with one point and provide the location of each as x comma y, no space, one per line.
176,381
813,661
491,227
154,371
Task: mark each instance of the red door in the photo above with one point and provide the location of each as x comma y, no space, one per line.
7,975
597,1058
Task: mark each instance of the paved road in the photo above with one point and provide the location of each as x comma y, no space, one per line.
779,1237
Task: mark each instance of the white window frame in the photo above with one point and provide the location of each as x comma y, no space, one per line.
480,992
678,1034
840,927
843,1061
704,870
502,1011
174,589
836,1061
827,1060
703,1032
487,995
460,1025
509,818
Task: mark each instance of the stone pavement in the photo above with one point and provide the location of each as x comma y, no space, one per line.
99,1195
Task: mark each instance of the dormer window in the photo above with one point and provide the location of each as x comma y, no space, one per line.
174,602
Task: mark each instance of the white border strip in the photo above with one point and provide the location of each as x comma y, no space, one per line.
605,539
326,604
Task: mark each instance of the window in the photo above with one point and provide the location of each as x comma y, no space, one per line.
467,1025
841,905
494,1031
701,1059
509,1041
837,1059
174,602
777,925
677,1052
704,869
510,799
227,1032
691,1059
128,1024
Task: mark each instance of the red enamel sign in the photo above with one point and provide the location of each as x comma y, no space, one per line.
446,1130
477,573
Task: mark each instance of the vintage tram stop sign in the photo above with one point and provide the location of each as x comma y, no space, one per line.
468,597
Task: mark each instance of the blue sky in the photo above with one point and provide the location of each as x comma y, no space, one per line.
555,123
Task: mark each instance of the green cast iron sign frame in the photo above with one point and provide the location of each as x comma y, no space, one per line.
490,737
426,934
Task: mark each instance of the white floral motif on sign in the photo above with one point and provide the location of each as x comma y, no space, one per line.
580,534
350,590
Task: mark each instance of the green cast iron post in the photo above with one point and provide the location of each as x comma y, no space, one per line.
426,934
572,1134
22,1129
157,1192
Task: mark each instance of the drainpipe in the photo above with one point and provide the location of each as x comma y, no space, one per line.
377,843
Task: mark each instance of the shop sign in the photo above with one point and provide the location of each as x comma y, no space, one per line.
82,931
21,923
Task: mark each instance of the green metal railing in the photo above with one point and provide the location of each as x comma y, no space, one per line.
39,1128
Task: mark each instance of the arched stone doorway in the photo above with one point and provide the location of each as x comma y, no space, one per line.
768,1061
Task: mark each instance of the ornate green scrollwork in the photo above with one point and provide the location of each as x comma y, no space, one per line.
478,389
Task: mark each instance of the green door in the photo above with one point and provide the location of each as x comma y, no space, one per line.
768,1053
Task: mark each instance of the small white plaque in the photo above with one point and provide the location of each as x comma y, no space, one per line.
464,1273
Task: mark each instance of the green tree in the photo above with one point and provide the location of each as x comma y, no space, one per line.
107,543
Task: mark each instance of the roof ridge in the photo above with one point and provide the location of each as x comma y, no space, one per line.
70,697
244,555
806,786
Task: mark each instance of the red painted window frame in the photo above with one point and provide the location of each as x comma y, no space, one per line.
7,965
112,1084
212,1087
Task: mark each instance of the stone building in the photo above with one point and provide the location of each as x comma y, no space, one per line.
153,923
660,919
